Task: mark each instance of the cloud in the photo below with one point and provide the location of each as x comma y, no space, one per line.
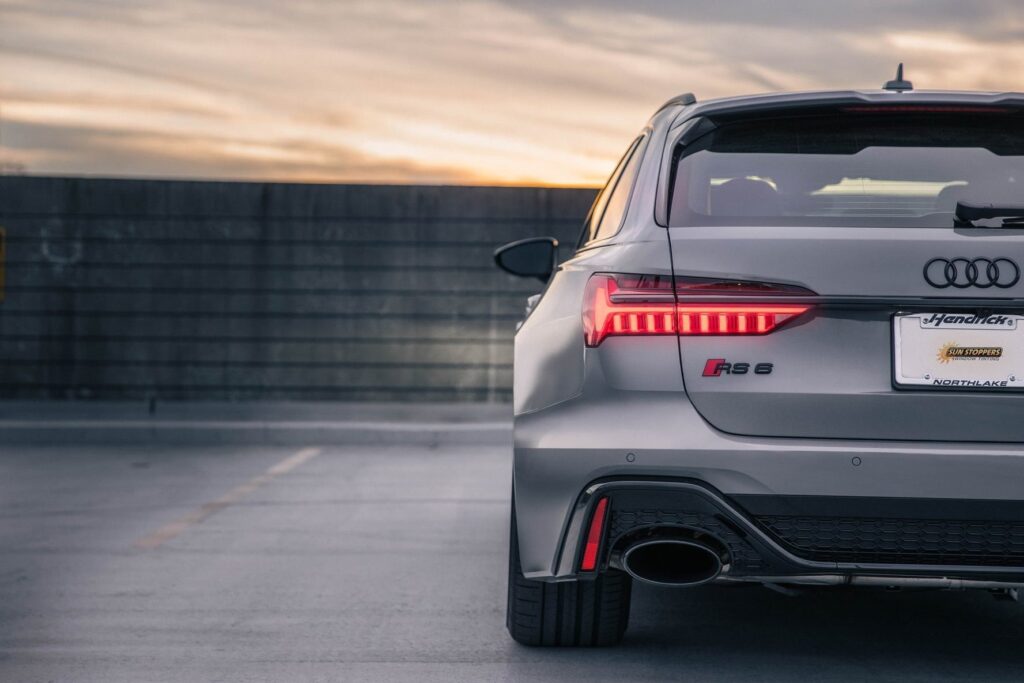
487,91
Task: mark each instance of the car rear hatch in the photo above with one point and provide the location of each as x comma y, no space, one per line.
911,329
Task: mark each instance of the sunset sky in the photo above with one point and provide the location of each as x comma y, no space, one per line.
434,91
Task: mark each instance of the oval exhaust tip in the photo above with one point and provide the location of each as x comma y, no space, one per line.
672,562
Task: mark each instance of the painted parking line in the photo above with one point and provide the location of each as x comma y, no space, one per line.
177,527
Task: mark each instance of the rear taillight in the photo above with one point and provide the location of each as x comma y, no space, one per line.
644,305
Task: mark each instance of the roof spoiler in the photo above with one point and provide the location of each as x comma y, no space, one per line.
686,99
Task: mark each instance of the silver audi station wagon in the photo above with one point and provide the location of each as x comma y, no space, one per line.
788,350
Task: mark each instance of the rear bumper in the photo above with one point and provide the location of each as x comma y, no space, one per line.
783,507
900,538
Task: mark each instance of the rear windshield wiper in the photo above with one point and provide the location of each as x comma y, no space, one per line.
966,214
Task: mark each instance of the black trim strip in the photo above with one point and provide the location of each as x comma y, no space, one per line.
888,508
860,302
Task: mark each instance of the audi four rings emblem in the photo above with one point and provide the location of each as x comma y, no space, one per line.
977,272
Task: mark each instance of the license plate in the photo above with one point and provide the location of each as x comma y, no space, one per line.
959,350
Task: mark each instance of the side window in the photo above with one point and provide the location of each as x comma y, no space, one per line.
615,211
597,211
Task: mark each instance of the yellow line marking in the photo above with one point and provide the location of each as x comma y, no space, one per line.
177,527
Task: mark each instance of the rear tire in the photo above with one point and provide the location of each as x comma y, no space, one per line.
570,613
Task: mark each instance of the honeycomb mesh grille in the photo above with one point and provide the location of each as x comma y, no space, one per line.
900,541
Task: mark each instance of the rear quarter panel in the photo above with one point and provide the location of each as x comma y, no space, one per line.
549,362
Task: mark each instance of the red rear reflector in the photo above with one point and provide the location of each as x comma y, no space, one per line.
589,561
648,305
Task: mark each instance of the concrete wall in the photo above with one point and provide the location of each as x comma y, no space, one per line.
197,290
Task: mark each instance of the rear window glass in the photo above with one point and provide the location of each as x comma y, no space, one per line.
850,169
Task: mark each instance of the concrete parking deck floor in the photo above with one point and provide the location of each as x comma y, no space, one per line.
386,563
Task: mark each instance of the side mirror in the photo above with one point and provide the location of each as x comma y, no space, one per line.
532,257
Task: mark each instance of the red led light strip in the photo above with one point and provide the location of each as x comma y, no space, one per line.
644,310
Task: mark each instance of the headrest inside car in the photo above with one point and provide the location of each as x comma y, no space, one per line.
744,197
